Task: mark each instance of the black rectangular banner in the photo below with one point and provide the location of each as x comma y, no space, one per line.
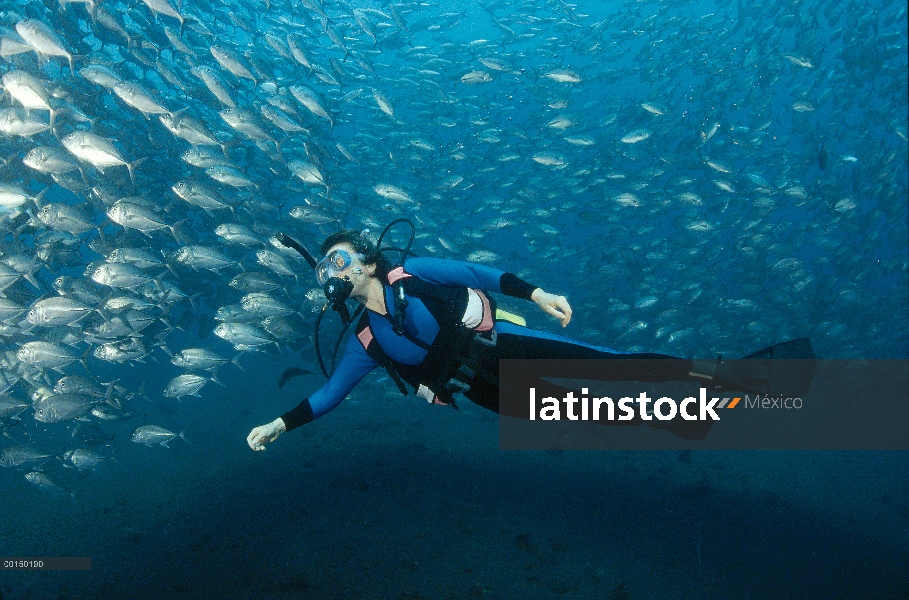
647,404
46,563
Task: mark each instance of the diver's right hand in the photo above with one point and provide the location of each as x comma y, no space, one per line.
265,434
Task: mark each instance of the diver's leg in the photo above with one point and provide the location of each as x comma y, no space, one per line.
486,394
515,342
523,343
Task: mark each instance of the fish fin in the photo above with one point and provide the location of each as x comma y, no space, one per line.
214,377
105,313
173,231
163,318
37,199
137,345
177,113
192,301
29,274
182,436
115,402
236,361
131,167
85,354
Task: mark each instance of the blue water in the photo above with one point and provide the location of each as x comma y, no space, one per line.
388,497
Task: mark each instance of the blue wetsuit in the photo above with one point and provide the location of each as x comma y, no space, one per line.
514,341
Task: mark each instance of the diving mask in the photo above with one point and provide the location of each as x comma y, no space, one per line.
334,264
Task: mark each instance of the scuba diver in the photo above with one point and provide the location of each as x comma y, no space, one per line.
431,322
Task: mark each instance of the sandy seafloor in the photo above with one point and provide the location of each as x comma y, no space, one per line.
388,497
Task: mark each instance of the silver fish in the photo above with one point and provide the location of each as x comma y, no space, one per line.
201,358
100,75
311,101
53,312
139,217
63,407
185,385
15,120
243,336
152,435
98,152
84,460
232,61
140,98
18,456
119,275
237,234
215,84
163,7
45,355
203,257
43,40
262,304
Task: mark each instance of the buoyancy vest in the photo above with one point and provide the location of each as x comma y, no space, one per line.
454,357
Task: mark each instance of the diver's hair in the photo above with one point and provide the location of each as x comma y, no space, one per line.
361,244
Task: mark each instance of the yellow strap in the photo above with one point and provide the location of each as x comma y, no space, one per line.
503,315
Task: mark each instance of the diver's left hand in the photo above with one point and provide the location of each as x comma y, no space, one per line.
557,306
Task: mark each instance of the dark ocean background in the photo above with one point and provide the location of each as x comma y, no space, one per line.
388,497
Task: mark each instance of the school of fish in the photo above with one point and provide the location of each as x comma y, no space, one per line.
695,182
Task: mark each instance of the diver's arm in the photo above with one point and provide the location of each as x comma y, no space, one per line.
453,272
354,366
480,277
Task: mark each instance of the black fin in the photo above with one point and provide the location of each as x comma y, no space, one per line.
290,374
784,369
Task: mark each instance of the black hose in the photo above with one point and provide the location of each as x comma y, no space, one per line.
289,242
353,319
413,234
315,342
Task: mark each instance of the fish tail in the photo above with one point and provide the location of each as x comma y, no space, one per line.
131,167
173,231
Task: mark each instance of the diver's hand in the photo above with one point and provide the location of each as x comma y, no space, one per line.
265,434
557,306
